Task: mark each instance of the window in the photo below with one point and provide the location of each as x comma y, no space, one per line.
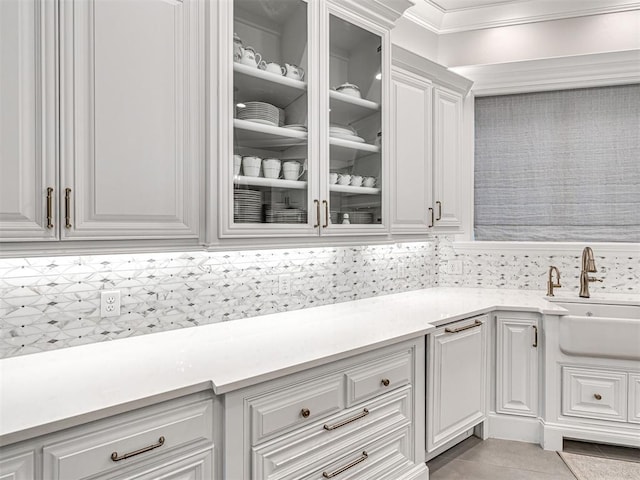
558,166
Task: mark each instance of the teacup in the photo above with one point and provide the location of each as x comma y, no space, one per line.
356,180
250,57
291,170
251,166
369,182
333,178
293,71
273,67
237,162
344,179
271,167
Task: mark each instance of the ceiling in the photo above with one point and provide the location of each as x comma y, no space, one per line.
449,16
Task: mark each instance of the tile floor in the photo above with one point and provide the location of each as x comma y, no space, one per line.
495,459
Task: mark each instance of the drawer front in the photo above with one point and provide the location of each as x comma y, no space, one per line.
594,394
378,377
151,434
323,444
278,411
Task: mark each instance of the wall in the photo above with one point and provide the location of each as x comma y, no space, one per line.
411,36
48,303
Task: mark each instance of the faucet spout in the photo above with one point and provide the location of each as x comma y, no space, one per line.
550,283
588,266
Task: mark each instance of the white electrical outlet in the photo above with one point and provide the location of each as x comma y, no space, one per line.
284,283
110,303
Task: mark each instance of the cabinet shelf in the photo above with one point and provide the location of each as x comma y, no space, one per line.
255,84
269,182
346,109
354,190
350,145
253,134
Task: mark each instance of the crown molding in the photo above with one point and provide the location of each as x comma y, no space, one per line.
580,71
386,12
435,19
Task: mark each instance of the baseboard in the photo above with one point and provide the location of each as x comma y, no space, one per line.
510,427
451,443
554,433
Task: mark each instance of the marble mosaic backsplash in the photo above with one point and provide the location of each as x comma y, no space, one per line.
48,303
500,269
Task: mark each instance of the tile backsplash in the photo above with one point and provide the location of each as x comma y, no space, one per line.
48,303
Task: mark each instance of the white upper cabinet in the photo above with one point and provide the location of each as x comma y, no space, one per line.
27,121
131,118
427,147
302,115
102,119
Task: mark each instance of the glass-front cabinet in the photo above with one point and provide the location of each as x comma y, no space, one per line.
303,86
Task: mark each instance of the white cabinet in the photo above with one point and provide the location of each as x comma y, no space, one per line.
426,153
106,140
362,416
517,343
591,393
456,379
634,398
18,466
302,115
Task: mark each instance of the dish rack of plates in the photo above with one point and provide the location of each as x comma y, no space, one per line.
247,206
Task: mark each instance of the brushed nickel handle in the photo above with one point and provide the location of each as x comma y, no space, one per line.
305,412
364,456
49,207
385,382
317,202
116,458
475,324
326,214
439,203
535,336
431,216
597,396
67,207
363,414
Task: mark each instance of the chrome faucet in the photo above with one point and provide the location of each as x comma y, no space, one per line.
550,283
588,266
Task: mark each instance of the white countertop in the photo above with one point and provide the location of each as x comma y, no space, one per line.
42,392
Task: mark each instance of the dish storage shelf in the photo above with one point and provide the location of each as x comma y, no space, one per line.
319,46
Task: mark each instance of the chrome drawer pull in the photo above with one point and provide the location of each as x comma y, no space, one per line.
116,458
346,467
364,413
475,324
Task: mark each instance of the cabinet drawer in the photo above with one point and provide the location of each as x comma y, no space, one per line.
324,444
378,377
292,406
91,451
594,394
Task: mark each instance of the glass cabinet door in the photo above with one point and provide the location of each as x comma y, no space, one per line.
270,109
355,129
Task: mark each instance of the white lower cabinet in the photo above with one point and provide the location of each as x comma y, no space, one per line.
359,418
597,394
18,466
634,398
456,379
517,364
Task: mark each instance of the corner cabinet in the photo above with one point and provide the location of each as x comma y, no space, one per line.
103,127
303,117
427,146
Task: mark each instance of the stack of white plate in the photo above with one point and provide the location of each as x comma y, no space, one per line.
299,127
344,132
280,213
260,112
247,206
361,217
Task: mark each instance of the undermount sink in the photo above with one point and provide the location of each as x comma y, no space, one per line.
600,330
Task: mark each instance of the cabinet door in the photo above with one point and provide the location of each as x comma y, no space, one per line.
20,466
27,120
411,161
447,148
456,380
131,81
634,398
517,366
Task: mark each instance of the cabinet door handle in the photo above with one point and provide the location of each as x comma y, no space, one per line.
326,214
67,207
475,324
116,458
431,217
364,456
49,207
439,203
535,336
363,414
597,396
317,202
385,382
